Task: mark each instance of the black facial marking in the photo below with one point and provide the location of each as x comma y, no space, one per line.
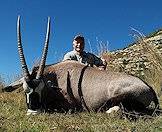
34,102
34,98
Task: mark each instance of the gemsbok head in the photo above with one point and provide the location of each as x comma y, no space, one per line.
33,86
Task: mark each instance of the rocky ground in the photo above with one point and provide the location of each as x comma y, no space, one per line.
137,57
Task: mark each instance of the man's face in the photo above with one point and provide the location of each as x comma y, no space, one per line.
78,45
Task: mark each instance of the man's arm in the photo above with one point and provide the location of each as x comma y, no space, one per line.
97,61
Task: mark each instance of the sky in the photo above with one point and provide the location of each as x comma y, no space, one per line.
109,21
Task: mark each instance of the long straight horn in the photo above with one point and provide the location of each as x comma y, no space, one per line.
21,54
44,54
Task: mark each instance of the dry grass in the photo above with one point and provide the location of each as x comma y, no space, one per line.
2,84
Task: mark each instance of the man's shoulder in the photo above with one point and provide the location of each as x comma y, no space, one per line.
69,55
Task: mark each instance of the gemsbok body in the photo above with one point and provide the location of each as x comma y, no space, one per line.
69,85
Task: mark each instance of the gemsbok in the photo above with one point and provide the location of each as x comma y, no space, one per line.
69,85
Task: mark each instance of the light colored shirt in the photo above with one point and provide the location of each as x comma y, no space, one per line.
86,58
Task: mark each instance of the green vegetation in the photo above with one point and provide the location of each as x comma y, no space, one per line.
13,118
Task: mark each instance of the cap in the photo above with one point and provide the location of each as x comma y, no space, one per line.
79,37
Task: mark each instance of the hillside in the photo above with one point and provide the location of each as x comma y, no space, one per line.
138,56
142,59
